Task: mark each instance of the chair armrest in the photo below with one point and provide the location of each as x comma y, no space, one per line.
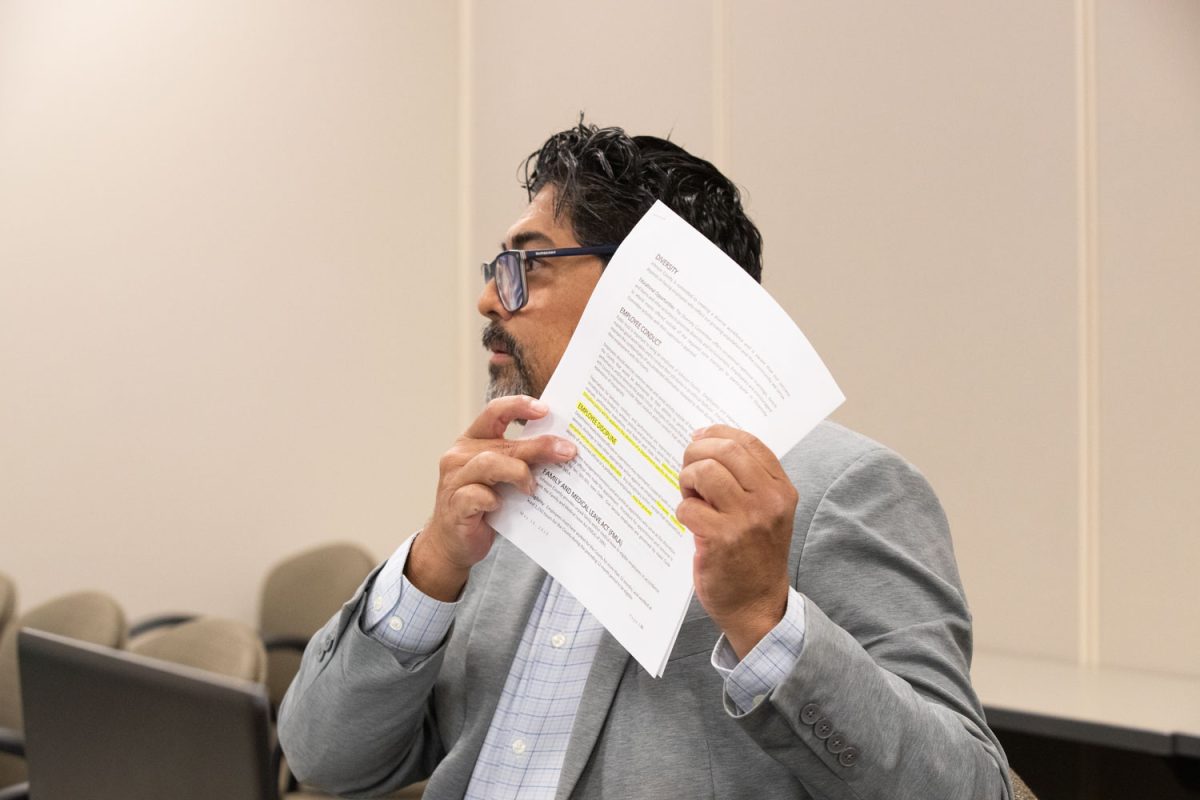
18,791
295,643
12,742
161,621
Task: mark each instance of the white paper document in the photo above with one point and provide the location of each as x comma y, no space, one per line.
675,337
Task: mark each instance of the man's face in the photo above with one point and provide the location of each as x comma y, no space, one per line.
527,345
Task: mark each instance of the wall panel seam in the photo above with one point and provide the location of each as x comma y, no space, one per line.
467,405
720,84
1088,568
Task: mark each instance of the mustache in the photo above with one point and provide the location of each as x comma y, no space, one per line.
494,334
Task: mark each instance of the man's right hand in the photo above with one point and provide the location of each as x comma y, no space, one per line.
456,537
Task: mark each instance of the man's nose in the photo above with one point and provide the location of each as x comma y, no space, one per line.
489,304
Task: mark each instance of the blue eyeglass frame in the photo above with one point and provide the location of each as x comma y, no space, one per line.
511,284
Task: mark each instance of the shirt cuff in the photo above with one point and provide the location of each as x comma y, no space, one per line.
400,615
747,683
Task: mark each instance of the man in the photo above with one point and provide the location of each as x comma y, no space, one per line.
826,653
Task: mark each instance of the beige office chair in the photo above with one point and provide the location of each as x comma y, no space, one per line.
88,616
223,646
299,595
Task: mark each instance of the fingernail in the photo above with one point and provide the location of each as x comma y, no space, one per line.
539,406
696,434
564,448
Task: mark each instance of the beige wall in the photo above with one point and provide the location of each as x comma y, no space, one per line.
1148,333
917,198
227,233
214,217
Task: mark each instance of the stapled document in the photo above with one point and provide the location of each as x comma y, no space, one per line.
675,337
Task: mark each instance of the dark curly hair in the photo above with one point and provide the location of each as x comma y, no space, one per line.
606,180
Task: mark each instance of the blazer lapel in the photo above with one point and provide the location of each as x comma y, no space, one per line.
512,588
603,680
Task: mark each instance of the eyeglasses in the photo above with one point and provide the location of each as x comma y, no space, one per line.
509,268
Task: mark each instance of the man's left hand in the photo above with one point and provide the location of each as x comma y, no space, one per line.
739,504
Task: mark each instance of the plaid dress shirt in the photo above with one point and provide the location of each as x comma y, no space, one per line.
523,752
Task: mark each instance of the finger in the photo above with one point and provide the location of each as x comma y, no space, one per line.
698,516
472,500
752,443
537,450
490,468
713,483
499,413
732,455
541,449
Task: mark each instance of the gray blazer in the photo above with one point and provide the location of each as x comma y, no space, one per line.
884,671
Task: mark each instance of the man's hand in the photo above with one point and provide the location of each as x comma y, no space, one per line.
456,537
739,504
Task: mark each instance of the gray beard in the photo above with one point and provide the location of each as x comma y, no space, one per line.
504,381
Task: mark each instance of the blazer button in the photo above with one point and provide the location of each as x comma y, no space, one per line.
849,757
836,743
326,646
823,729
810,713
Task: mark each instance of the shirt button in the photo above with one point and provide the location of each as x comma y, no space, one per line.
395,623
758,698
378,604
558,640
518,746
810,713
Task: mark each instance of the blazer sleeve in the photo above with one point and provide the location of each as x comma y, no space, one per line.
879,703
356,721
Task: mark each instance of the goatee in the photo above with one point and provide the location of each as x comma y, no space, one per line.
507,379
